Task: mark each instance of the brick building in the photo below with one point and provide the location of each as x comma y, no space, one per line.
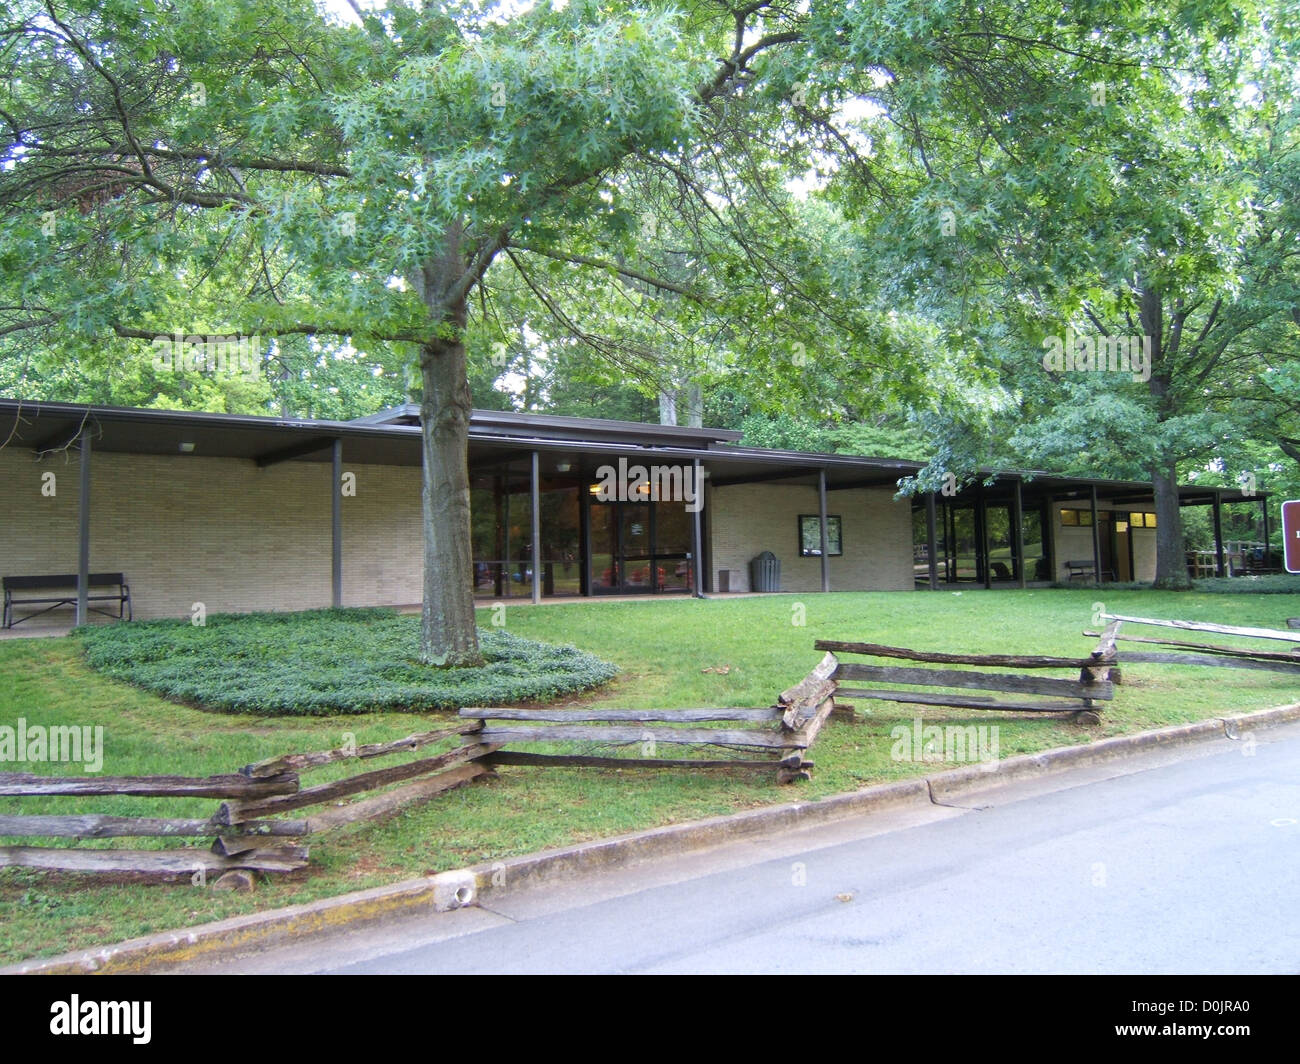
239,513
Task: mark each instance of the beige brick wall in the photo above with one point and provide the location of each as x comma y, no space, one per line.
219,531
1144,553
745,519
1074,543
383,542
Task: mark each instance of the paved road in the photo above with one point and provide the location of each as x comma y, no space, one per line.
1185,861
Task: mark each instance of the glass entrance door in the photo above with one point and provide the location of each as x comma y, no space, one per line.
639,547
636,557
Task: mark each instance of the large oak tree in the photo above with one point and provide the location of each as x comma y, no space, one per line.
254,165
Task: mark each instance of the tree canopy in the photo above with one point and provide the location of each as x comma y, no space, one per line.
830,211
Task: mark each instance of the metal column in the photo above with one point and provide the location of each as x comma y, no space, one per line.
1263,507
1018,519
1220,563
537,533
982,534
83,532
1096,536
821,510
697,536
336,528
931,541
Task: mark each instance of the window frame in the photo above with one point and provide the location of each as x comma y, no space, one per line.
834,535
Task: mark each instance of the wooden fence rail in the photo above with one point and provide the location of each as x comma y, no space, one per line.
233,786
1081,697
777,737
245,837
95,826
1219,655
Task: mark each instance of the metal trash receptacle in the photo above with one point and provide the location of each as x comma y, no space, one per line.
765,572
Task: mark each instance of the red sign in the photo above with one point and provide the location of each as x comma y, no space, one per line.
1291,535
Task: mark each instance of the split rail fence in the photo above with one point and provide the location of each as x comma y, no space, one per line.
251,833
1025,690
774,738
247,829
1186,652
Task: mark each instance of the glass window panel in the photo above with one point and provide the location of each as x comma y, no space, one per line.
810,536
560,521
1035,550
634,520
672,528
604,572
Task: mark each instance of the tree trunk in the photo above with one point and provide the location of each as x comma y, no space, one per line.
667,408
1171,559
694,406
448,633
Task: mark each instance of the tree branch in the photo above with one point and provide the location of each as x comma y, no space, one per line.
613,267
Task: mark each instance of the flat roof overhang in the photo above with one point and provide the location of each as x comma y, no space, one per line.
566,446
44,428
47,427
1038,486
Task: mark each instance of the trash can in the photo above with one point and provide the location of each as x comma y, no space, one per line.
724,580
765,572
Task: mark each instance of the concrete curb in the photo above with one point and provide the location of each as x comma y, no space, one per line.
468,886
955,782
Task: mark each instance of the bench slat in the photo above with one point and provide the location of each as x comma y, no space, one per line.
63,580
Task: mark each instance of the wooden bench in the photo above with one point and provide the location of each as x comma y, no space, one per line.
65,586
1085,570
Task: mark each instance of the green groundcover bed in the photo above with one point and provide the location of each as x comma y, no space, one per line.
328,661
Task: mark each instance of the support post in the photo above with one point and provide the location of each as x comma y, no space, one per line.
83,532
950,542
1220,563
697,536
931,540
1096,535
1263,508
1018,520
536,490
336,527
982,551
821,510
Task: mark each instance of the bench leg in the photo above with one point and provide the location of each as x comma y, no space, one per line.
13,624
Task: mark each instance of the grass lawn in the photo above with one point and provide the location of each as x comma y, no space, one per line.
662,648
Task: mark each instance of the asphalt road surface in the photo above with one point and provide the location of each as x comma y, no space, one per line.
1178,861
